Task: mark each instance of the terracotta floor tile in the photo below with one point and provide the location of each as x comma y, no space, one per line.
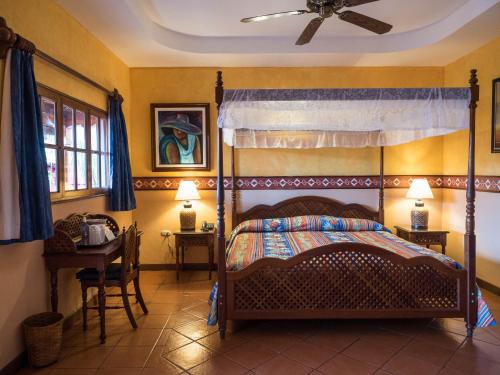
172,340
341,364
250,354
215,343
278,342
189,355
367,351
218,366
152,321
73,371
336,341
441,338
201,309
78,338
282,365
162,308
480,349
448,371
158,361
119,371
434,354
141,337
180,318
386,338
451,325
85,358
473,365
404,364
196,330
127,357
309,354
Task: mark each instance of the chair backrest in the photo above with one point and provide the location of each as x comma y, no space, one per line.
129,251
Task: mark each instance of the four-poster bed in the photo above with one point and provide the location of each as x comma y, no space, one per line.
353,279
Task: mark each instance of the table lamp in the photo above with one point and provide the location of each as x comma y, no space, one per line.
187,191
419,190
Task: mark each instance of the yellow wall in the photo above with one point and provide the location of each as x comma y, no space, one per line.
486,61
23,279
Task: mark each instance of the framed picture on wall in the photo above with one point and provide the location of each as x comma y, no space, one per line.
180,136
495,132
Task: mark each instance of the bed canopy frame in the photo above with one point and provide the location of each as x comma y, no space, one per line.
463,283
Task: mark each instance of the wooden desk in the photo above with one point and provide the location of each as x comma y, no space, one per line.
98,257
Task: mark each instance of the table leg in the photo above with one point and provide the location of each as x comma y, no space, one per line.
183,248
177,260
443,249
54,299
102,305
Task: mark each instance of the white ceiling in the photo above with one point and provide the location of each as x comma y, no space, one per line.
208,32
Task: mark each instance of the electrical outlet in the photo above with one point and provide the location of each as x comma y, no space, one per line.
166,233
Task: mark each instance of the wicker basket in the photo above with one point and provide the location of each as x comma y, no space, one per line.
43,336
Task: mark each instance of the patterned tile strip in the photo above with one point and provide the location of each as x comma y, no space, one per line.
483,183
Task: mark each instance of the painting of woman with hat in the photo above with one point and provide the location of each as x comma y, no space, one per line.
180,137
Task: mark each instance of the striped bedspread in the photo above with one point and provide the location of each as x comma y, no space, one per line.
286,237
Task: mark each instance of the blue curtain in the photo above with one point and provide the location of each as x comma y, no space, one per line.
34,193
122,196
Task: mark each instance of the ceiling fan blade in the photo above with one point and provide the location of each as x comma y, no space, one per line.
274,15
354,3
309,31
365,22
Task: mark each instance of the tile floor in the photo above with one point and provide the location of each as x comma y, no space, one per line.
174,339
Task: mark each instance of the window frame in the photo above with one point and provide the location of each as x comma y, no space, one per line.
60,100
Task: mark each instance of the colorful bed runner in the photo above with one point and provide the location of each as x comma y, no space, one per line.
286,237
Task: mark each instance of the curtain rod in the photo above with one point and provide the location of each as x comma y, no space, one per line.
9,39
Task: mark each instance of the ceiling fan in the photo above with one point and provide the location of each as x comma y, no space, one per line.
326,9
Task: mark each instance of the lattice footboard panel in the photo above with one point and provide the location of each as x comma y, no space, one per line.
346,280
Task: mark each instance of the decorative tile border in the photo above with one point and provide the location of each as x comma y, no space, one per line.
483,183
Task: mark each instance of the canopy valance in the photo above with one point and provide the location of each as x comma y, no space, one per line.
313,118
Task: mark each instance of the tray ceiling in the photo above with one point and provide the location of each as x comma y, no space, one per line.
208,33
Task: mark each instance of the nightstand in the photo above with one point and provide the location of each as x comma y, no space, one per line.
425,237
185,239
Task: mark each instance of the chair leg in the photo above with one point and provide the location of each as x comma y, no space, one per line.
84,305
126,304
138,295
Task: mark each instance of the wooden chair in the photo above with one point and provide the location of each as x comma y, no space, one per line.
117,275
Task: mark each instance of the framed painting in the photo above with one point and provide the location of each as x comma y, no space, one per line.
495,131
180,136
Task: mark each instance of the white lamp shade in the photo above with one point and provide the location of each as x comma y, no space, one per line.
187,191
420,189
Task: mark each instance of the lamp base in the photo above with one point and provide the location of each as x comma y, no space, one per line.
188,218
419,216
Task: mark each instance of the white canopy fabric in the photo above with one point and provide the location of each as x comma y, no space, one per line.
314,118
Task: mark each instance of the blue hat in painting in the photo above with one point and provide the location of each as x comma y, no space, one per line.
181,122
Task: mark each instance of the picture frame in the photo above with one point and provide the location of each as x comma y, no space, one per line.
180,136
495,117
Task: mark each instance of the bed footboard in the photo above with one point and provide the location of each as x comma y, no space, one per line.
346,280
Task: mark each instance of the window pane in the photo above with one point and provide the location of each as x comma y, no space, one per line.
104,135
94,133
81,170
80,129
52,168
105,174
95,170
69,170
68,126
49,120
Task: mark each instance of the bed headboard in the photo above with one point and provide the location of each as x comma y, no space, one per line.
309,205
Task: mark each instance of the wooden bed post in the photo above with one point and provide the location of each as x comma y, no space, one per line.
381,188
233,190
221,228
470,236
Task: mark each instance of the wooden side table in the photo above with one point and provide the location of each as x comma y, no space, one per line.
425,237
185,239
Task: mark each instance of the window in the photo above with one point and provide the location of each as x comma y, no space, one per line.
76,137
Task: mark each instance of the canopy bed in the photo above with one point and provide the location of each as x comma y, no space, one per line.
316,258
